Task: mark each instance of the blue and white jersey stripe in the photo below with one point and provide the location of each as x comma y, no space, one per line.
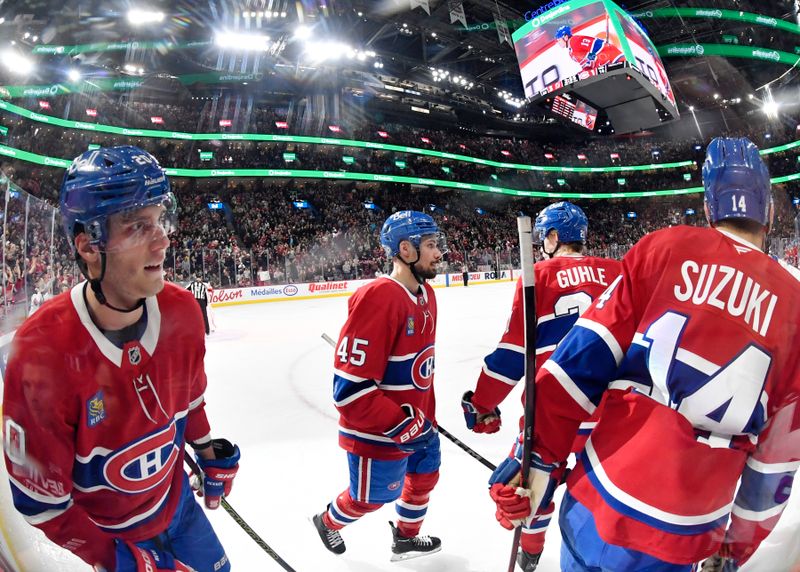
635,508
348,387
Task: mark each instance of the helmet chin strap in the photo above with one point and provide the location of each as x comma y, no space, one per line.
94,283
551,254
412,268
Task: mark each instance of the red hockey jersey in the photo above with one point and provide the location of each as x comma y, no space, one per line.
581,46
695,349
94,433
384,358
565,287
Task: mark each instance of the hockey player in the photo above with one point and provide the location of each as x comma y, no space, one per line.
104,386
383,390
589,52
694,348
566,283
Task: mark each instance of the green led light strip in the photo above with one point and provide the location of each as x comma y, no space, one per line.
714,13
728,51
120,83
4,105
161,45
308,174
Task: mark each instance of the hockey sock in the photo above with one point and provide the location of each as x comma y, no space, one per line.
413,504
345,510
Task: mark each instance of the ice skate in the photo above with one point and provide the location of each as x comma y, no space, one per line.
405,548
527,561
330,538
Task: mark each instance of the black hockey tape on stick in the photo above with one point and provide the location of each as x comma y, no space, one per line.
469,451
525,234
240,521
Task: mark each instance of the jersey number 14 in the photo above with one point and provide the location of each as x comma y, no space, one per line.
723,401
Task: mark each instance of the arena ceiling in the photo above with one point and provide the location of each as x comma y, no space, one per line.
407,43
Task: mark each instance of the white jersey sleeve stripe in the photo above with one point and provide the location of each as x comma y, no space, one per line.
499,377
349,376
605,335
569,386
350,399
511,347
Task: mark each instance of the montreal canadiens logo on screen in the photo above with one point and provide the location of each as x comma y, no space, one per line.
144,464
422,369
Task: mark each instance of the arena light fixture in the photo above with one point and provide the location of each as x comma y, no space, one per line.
302,33
327,50
139,17
16,62
74,75
771,108
242,41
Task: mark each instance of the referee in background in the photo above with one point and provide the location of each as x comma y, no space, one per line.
200,293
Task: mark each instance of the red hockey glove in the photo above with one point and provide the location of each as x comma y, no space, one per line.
132,558
413,433
218,473
514,503
477,420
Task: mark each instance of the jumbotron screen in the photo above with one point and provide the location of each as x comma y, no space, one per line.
575,110
580,39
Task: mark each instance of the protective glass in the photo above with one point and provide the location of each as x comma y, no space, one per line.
141,225
440,241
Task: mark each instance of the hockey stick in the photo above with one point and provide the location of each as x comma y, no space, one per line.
471,452
240,521
529,311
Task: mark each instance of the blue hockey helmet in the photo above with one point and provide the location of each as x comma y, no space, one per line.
107,181
407,225
736,181
566,219
563,32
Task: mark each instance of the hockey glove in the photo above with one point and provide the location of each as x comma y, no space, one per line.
717,563
413,433
487,422
218,473
132,558
589,60
514,503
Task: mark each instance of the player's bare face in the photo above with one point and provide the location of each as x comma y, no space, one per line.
430,256
564,42
135,255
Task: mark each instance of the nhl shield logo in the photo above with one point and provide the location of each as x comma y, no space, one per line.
134,355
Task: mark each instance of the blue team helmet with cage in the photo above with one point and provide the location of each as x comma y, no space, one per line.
407,225
563,32
108,181
736,181
566,219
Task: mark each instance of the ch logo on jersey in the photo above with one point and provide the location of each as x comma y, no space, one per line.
134,355
95,409
145,463
422,368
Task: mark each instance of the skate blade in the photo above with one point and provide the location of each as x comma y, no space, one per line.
410,555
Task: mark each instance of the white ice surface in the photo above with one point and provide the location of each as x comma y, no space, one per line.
269,391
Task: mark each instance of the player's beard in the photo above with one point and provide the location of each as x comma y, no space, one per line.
428,273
